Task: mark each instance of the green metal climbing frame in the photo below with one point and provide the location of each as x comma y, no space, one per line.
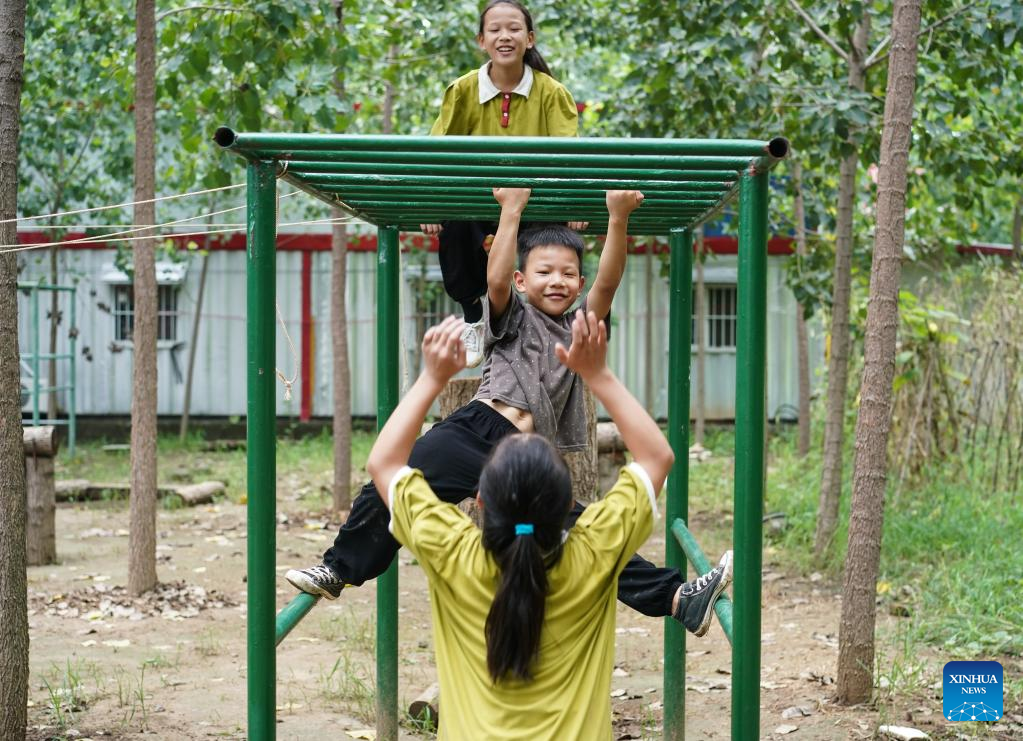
398,182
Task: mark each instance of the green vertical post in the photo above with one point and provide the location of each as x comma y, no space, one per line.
749,452
677,505
71,375
35,357
387,400
261,216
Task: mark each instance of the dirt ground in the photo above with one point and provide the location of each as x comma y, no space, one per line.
172,666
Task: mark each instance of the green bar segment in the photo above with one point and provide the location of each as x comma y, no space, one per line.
677,505
283,144
261,203
723,606
387,399
291,615
749,452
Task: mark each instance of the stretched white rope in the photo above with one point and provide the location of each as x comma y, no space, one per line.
123,205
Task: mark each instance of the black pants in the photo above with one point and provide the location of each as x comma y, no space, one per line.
463,263
451,457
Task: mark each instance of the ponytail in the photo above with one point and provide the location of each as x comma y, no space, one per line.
533,57
516,615
535,60
527,491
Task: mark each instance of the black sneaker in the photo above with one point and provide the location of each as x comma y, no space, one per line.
696,603
319,580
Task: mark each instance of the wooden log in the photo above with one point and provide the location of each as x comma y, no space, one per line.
201,493
426,707
40,504
40,441
80,490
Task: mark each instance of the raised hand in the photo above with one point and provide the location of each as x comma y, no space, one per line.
621,203
588,354
512,198
443,350
431,230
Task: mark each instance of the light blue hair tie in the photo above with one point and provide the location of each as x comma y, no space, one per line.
524,528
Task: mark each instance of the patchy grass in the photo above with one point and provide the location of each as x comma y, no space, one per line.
305,466
948,565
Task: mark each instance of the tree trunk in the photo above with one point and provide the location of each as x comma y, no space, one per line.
192,347
13,586
700,340
856,634
342,373
838,363
40,495
802,343
142,533
342,422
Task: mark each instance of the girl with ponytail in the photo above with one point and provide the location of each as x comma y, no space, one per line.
523,611
512,94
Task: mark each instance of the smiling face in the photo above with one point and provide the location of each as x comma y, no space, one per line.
551,278
505,35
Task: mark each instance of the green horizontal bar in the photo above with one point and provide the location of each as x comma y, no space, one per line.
50,389
546,204
568,173
723,606
49,356
339,182
44,422
281,143
291,615
683,189
313,161
403,201
421,216
27,286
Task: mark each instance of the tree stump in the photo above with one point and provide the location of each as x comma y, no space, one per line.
40,445
582,464
610,455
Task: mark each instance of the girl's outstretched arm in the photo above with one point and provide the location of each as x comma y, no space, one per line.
588,357
443,357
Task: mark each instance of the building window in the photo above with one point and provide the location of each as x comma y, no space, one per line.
166,312
721,305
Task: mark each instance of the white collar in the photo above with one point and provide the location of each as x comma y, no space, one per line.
488,90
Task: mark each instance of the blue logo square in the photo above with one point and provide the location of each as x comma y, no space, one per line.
972,690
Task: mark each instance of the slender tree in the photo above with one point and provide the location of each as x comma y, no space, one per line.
838,360
700,340
142,533
342,423
802,344
13,589
856,636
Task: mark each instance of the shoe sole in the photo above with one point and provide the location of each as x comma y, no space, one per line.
726,578
476,360
303,583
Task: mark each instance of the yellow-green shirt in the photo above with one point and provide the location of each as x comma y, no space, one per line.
539,106
569,695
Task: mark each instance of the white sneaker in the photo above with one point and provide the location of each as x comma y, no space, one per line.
472,338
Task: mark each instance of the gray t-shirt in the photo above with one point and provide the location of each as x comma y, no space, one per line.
522,371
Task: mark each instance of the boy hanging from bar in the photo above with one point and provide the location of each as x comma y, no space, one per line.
524,389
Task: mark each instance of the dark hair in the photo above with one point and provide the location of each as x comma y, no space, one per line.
545,235
533,57
525,481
